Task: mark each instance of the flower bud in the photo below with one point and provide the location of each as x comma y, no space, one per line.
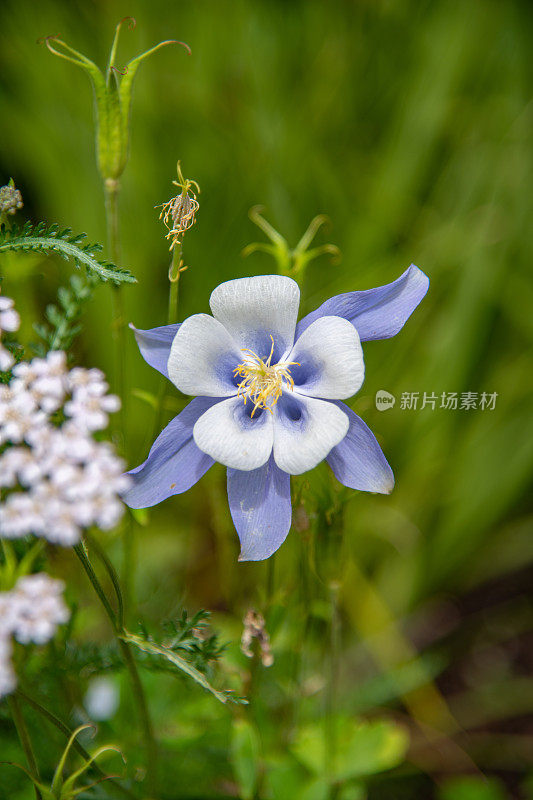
113,95
10,199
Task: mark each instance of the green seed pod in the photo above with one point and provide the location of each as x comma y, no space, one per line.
113,95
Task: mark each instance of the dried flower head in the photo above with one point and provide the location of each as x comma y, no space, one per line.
255,628
178,214
10,199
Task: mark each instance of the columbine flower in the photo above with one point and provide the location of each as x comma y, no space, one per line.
269,397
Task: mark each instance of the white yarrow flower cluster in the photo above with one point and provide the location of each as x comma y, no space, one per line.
30,612
9,322
55,479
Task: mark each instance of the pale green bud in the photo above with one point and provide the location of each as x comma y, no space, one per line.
113,95
291,261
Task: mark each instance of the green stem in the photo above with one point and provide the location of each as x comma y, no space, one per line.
174,278
330,732
25,740
172,317
334,554
138,690
51,717
81,552
111,571
129,576
112,189
144,713
300,652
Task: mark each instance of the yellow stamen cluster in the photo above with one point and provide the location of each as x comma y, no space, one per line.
263,382
179,214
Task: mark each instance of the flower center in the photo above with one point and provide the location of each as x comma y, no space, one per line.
262,381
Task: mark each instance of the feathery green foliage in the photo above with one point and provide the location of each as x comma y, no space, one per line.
64,318
44,238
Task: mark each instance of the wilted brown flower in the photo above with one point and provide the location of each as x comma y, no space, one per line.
255,628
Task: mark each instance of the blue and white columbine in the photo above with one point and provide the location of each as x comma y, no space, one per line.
268,397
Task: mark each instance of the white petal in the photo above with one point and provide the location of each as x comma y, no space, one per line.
253,309
331,360
227,433
305,430
202,358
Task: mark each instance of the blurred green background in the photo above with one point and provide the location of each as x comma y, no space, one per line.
409,124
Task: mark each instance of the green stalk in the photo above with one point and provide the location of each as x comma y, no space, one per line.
83,556
25,741
300,652
330,728
144,713
112,189
173,278
51,717
111,571
172,316
331,566
138,690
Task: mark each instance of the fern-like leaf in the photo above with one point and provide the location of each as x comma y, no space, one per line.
52,239
64,317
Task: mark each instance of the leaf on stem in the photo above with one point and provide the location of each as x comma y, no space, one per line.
152,648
